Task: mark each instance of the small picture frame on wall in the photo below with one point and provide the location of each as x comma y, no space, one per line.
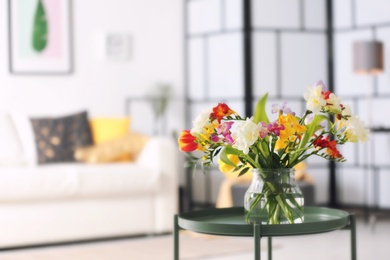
40,40
117,46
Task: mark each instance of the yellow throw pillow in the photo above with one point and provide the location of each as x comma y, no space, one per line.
114,150
108,128
229,172
301,174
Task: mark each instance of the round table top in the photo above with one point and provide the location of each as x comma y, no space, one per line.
231,222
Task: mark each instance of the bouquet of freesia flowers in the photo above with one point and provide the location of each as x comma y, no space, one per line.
258,143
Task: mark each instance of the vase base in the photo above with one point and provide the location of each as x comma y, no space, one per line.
265,221
273,198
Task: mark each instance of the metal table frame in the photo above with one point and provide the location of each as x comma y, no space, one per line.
230,222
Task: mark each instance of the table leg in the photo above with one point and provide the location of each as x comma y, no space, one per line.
176,238
269,248
256,234
352,223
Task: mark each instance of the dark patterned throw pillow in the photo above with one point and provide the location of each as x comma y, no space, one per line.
57,138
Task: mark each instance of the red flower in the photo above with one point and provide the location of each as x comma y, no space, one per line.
326,94
329,145
220,111
320,142
187,141
332,150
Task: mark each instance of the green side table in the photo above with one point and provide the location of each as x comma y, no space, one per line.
230,222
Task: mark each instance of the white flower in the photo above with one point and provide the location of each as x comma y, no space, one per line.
201,122
333,103
355,130
347,112
246,134
315,100
343,122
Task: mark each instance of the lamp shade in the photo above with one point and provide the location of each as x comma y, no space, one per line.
368,57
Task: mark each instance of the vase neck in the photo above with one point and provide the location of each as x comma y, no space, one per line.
285,175
273,171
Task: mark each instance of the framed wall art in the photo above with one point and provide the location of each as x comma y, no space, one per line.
40,40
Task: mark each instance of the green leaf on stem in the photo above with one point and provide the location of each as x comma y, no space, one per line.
310,130
224,158
245,170
260,112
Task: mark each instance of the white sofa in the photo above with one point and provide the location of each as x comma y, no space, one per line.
52,203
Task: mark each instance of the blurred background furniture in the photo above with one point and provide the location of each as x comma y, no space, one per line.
72,201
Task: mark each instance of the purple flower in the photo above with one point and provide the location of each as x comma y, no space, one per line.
284,109
319,83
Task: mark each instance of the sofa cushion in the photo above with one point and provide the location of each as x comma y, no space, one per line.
57,138
74,180
11,152
38,182
26,136
129,145
105,129
108,128
116,179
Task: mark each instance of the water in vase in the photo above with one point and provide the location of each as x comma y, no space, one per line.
276,208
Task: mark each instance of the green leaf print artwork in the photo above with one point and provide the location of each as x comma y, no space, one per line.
40,29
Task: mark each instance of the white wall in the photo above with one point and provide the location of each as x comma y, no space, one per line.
99,85
359,20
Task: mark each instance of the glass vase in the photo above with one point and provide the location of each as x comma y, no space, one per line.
273,198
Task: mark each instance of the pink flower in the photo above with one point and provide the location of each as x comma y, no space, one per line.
214,138
275,128
229,139
224,128
263,129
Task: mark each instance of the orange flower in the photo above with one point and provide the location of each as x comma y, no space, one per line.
187,141
220,111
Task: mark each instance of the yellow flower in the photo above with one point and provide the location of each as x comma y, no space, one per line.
203,136
292,129
225,168
228,170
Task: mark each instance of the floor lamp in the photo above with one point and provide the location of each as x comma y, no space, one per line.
368,60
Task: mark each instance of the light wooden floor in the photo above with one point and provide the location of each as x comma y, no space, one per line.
372,244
